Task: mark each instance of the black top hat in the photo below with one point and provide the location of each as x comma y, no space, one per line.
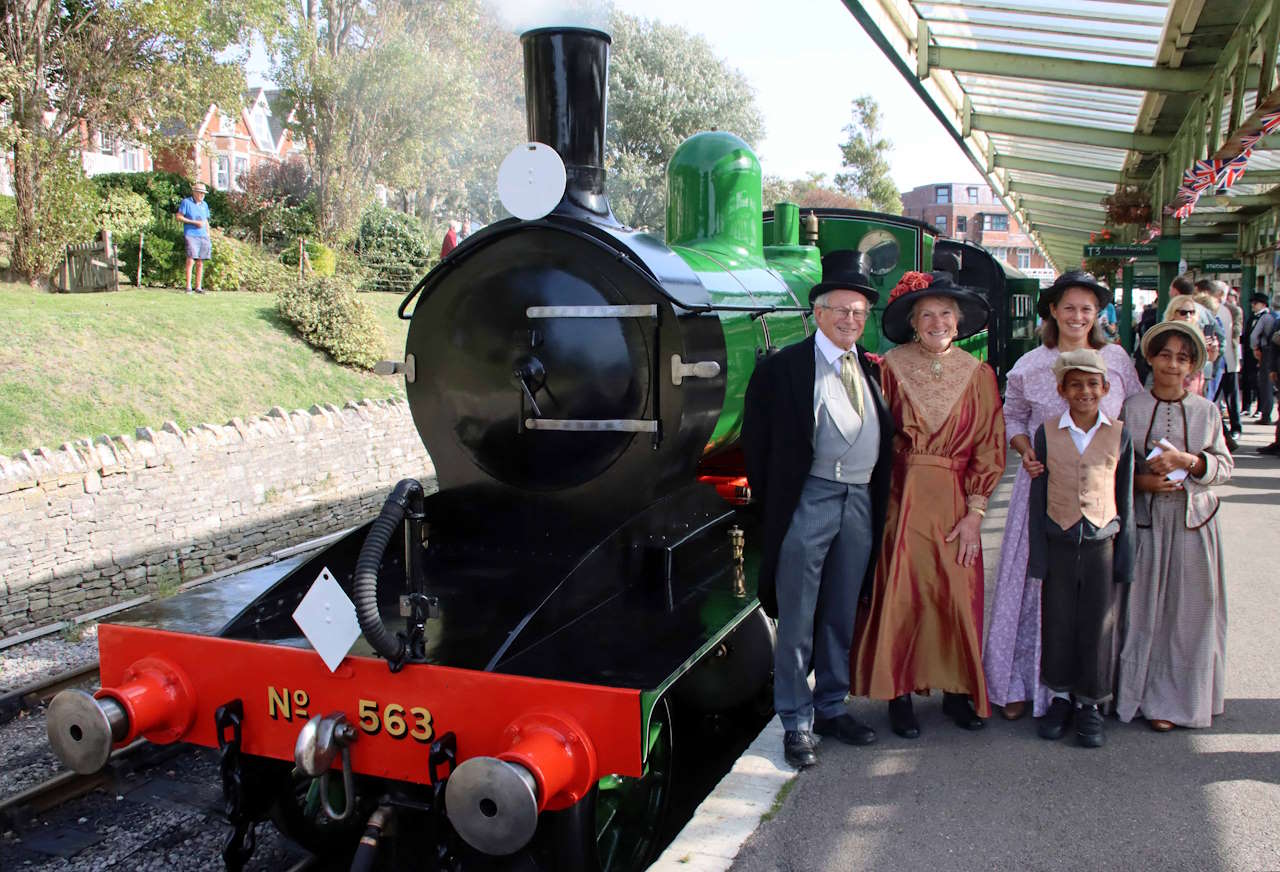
895,323
1259,298
1073,279
845,270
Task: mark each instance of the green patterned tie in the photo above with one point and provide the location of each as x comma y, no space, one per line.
852,384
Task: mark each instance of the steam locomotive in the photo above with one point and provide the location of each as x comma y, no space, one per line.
586,563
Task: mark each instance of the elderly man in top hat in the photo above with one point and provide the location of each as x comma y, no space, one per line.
818,438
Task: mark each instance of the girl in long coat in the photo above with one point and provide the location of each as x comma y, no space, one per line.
1173,662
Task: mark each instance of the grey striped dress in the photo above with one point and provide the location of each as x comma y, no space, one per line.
1173,660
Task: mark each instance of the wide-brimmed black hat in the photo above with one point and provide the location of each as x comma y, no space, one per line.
895,323
1073,279
845,270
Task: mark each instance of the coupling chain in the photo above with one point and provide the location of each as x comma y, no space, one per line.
243,838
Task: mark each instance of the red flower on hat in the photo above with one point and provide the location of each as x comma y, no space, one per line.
910,281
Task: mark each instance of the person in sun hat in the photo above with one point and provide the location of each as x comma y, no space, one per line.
193,215
1173,659
1070,308
923,624
817,438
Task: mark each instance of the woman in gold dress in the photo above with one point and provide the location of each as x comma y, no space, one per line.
923,627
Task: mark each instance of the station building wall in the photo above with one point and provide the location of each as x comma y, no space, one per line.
101,521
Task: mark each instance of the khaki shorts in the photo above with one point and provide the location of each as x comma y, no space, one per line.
198,247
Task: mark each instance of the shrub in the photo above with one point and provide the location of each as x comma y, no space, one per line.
233,265
328,315
320,256
8,214
123,212
393,247
66,208
164,191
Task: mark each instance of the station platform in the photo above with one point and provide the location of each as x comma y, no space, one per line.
1002,798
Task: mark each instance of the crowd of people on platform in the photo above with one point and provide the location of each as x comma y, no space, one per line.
874,476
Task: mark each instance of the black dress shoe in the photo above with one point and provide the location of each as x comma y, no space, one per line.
846,728
1054,722
797,746
1273,448
1232,445
902,717
959,708
1089,732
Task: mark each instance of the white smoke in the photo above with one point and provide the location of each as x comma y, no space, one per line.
522,15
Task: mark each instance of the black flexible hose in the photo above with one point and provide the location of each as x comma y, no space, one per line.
365,586
367,851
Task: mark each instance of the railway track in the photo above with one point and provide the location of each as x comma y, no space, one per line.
31,697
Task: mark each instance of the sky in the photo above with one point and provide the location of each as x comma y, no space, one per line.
806,66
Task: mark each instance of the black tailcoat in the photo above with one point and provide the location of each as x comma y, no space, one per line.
777,441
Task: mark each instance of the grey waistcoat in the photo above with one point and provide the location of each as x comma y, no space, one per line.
845,446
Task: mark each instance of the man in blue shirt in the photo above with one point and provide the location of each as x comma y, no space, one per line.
193,215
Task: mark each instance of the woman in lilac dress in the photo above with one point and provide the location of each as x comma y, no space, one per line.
1069,307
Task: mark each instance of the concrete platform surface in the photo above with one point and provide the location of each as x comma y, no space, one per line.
1002,798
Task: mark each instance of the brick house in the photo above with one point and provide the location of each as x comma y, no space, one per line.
969,211
229,145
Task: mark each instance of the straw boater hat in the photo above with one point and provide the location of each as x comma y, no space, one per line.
915,286
199,186
1074,279
1188,330
845,271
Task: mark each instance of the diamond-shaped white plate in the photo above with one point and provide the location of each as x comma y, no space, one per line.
327,617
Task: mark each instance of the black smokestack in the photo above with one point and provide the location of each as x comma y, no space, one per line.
566,75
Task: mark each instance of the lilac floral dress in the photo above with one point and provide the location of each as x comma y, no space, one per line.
1011,657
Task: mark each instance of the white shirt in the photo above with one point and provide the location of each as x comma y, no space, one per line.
1078,436
828,351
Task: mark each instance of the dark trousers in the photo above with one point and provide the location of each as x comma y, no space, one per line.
1248,379
1265,389
1079,604
1227,393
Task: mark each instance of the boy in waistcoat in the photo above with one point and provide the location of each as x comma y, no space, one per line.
1080,526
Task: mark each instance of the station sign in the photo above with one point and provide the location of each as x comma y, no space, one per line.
1221,266
1119,250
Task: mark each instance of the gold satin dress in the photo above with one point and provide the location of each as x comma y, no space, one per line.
923,627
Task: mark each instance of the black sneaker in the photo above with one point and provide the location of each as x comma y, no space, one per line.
1089,732
1054,722
1273,448
797,747
846,728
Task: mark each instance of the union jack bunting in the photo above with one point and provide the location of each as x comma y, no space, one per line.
1270,121
1185,210
1201,175
1249,140
1231,171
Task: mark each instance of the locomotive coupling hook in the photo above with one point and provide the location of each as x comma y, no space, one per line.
153,699
319,743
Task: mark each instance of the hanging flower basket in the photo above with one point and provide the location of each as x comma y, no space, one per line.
1128,205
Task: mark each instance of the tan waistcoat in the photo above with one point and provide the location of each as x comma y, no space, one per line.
1082,485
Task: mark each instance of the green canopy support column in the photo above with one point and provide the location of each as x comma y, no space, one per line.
1168,252
1248,281
1126,307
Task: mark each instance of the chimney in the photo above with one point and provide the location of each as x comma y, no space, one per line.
566,75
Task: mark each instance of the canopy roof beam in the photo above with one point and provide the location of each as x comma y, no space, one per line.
1098,74
1028,127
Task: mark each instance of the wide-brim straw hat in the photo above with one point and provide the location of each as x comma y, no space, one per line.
895,323
1065,282
199,186
1184,328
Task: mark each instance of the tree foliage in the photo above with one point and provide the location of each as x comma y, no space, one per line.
866,157
377,91
665,84
120,64
813,191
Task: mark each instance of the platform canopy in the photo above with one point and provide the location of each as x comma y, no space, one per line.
1060,103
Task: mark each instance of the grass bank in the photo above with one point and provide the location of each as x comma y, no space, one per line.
77,365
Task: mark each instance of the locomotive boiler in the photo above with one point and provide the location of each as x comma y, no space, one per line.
585,567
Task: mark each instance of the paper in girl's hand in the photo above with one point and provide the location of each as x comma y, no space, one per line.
1161,447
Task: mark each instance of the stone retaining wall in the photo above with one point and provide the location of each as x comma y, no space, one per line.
99,521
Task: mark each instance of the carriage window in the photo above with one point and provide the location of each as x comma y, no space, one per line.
881,249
